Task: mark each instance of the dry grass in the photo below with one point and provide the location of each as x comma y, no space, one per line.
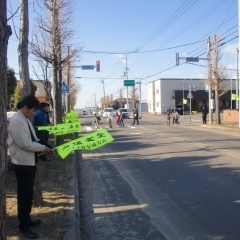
55,177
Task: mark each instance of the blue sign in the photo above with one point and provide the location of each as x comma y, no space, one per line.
87,67
65,88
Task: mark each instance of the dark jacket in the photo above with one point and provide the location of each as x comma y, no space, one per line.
135,113
40,119
204,112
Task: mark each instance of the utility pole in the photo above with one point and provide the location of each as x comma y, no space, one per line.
209,81
95,105
238,62
140,93
68,83
237,106
127,86
104,104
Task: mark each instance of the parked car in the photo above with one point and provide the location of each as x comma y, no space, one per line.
124,112
179,109
106,111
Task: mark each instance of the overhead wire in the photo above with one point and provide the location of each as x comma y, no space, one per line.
203,16
166,24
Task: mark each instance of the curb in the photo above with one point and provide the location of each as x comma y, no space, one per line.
223,128
77,198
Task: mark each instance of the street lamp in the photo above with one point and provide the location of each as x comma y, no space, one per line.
95,100
126,75
140,93
104,103
91,102
191,88
183,93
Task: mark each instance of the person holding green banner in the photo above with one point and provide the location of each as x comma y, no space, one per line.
23,147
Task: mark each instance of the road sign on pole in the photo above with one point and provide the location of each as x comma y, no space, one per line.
192,59
189,95
129,83
65,88
87,67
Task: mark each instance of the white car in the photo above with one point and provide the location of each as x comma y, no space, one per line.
106,111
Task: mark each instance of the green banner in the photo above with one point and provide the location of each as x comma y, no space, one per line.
72,117
88,142
184,101
234,97
63,128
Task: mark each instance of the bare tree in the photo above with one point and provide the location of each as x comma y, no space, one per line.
120,97
50,40
134,95
23,48
219,79
74,85
5,33
45,79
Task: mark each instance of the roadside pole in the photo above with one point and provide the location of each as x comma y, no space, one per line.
238,61
209,82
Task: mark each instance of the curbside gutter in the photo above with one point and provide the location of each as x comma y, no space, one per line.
73,215
233,129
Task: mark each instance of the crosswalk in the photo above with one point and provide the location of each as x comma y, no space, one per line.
92,128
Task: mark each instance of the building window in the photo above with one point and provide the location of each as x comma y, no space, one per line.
157,105
157,91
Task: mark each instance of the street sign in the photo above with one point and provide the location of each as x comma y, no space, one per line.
87,67
192,59
129,83
65,88
189,95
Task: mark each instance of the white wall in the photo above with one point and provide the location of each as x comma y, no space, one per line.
167,86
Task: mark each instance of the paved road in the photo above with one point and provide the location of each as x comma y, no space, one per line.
160,182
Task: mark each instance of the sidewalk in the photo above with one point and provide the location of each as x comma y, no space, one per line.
196,120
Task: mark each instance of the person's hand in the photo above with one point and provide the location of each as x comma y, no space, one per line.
47,150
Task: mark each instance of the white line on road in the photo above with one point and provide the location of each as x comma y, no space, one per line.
89,129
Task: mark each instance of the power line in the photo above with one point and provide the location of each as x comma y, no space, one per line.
178,13
147,51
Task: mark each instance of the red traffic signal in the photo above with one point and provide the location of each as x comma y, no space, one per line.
98,66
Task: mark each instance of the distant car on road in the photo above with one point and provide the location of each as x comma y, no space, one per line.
84,112
124,112
179,109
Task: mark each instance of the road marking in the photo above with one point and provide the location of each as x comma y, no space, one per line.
131,126
135,133
88,129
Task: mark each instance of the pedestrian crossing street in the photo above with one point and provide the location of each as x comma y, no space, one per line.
92,128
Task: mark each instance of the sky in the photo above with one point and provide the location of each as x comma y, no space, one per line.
146,33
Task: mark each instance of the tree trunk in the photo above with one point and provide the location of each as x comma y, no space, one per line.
5,32
37,198
23,48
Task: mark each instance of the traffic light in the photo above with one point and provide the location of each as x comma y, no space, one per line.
98,66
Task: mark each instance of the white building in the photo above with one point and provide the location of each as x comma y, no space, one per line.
164,92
